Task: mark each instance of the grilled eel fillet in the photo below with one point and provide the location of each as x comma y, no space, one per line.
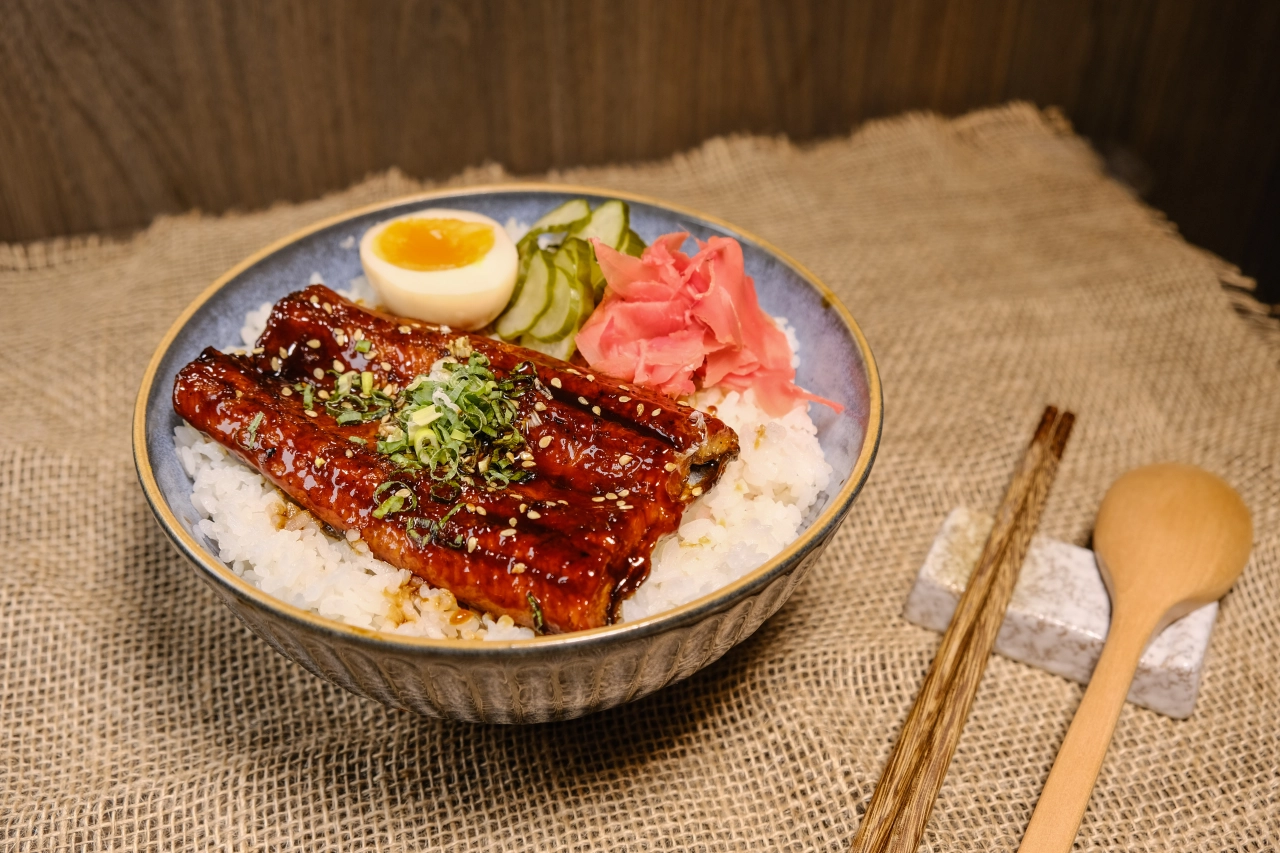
615,474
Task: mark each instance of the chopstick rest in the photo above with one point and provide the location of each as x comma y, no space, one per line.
1059,614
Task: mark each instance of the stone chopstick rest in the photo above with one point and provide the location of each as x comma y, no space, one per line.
1058,616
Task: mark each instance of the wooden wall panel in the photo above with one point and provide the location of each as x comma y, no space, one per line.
112,111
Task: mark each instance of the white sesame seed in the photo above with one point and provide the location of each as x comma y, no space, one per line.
311,414
598,499
403,493
526,455
510,531
696,490
539,407
669,467
624,459
656,412
481,511
544,441
284,353
315,300
286,391
622,493
404,330
590,378
511,522
314,343
528,463
385,365
350,453
339,366
624,399
624,387
595,410
353,535
640,409
611,496
563,502
622,503
533,513
275,365
625,506
471,507
555,382
571,370
357,335
518,568
582,400
318,373
328,309
259,350
319,462
472,543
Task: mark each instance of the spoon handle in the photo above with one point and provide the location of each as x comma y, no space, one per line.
1056,819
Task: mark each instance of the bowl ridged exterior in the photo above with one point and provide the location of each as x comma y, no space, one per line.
525,681
536,687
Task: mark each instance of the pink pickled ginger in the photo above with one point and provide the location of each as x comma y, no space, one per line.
667,319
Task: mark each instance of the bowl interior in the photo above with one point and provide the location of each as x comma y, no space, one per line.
832,363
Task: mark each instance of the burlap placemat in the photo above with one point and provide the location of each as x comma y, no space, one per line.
994,268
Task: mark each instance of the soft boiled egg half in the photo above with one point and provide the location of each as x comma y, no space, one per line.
450,267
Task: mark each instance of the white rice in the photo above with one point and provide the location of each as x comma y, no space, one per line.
753,512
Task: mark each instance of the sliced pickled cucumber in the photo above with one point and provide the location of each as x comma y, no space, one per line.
561,349
572,214
609,222
564,310
532,301
564,217
575,257
632,244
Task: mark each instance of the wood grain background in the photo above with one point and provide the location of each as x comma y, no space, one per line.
112,111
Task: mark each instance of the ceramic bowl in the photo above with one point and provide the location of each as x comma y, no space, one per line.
550,677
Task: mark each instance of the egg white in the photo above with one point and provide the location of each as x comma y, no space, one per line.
467,297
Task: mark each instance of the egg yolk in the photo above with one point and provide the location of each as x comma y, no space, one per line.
433,244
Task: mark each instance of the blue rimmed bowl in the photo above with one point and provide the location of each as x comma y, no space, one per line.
551,677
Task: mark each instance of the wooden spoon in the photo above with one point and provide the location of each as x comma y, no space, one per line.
1169,539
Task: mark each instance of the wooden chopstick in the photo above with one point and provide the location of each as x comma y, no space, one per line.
931,767
890,793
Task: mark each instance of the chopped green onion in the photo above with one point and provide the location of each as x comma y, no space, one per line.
366,383
395,503
355,439
537,612
252,442
448,424
364,346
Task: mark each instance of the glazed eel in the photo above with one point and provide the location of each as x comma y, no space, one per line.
613,466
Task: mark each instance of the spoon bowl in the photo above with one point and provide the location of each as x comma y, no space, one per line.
1169,538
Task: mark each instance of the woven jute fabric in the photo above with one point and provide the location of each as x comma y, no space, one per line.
994,268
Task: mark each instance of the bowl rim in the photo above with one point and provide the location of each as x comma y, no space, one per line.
686,614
